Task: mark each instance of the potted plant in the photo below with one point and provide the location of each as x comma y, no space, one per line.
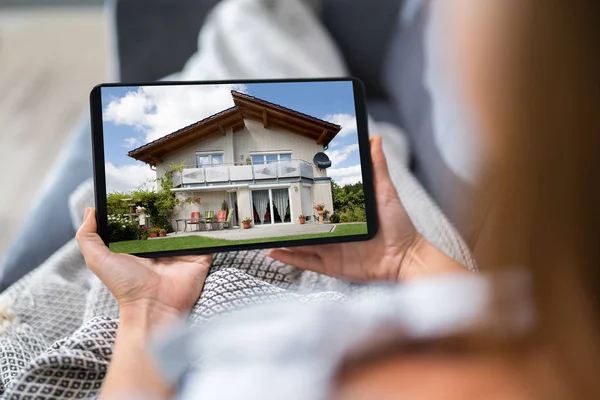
162,233
154,232
302,219
320,208
247,223
248,161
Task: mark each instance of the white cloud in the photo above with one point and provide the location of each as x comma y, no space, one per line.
159,110
346,176
128,177
338,156
346,121
129,143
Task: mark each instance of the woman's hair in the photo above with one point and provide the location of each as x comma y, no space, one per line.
545,192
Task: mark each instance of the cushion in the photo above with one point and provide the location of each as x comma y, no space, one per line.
155,37
363,31
405,76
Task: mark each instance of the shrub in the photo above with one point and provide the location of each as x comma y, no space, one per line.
121,229
354,214
162,221
334,218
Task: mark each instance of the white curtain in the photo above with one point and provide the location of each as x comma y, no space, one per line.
280,200
260,198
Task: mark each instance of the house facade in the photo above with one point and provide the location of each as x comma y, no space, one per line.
257,156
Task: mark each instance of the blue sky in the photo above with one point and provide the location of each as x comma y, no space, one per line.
134,116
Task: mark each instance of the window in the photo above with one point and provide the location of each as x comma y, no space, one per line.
209,159
260,159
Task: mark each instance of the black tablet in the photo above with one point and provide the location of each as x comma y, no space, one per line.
203,167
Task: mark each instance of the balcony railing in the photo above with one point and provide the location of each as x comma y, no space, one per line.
229,173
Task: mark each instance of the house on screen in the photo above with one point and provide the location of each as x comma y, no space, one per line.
257,156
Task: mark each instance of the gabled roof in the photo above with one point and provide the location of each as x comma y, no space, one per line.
246,107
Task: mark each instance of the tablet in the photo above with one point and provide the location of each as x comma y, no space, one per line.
203,167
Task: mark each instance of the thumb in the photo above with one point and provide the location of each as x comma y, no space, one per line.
383,183
90,243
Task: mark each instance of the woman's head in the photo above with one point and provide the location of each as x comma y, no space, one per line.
531,73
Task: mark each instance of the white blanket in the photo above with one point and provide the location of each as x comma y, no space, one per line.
274,39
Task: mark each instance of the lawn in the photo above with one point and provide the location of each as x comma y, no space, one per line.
195,242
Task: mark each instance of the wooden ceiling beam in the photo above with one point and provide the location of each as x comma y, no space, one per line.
322,137
265,118
289,123
246,105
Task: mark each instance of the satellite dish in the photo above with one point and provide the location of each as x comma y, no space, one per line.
322,161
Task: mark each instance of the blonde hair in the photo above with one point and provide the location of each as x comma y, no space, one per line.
544,191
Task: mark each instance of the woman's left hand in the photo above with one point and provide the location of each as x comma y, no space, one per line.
169,287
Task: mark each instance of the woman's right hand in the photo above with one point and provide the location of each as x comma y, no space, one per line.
397,252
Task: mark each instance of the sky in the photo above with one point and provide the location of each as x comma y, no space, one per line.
134,116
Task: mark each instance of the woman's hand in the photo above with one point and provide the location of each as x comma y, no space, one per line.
397,252
169,287
150,293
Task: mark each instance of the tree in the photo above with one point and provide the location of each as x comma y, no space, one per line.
349,201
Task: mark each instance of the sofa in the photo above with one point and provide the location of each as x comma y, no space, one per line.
382,41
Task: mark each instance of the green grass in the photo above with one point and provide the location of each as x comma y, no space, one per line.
195,242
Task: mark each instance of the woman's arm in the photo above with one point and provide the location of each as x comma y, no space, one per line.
132,372
150,293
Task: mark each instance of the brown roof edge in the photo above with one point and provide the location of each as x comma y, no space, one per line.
223,113
330,125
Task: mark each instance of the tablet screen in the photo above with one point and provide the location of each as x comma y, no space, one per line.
237,165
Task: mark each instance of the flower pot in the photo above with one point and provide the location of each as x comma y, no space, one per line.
247,225
162,234
320,212
302,221
153,234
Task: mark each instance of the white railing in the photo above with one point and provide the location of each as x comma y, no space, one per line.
241,173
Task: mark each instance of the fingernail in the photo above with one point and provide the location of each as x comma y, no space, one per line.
86,213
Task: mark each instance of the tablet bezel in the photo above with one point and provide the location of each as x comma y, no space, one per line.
365,159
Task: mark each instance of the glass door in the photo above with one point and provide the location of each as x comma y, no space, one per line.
234,206
280,200
271,206
261,207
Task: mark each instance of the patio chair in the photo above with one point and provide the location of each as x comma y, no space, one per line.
227,221
208,219
221,217
195,219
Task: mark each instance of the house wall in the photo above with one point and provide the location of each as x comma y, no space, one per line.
255,138
295,202
243,199
218,142
322,194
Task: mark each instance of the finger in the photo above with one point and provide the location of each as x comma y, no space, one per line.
383,183
196,266
93,248
307,261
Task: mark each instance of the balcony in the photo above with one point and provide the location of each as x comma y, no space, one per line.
244,173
